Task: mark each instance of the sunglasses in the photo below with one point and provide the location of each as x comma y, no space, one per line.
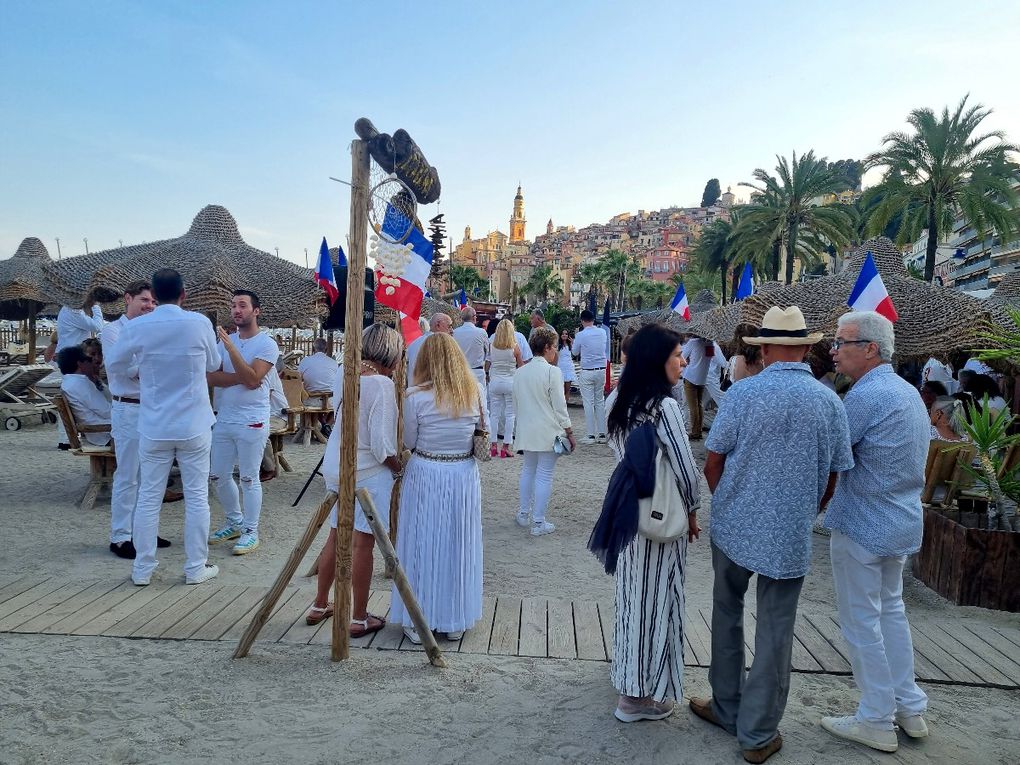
837,344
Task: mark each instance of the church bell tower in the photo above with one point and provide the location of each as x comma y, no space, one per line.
517,220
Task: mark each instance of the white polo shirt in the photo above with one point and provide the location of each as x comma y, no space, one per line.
590,346
318,371
239,404
123,383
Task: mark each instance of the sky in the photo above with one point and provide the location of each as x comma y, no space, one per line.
121,119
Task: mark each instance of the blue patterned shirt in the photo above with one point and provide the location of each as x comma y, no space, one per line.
783,433
878,503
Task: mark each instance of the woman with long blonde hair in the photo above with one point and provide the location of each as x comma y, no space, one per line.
504,359
440,539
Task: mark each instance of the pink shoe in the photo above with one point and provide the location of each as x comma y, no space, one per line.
505,454
493,451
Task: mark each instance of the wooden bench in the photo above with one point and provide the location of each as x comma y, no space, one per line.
102,459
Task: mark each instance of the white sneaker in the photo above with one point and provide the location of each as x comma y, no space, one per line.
852,729
524,520
249,541
204,575
412,634
540,528
455,635
587,440
602,439
913,725
141,581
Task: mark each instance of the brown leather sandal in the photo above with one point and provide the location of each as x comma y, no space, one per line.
364,624
317,615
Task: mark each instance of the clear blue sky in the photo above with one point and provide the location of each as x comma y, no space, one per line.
121,119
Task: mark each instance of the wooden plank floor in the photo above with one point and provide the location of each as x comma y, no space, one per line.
964,651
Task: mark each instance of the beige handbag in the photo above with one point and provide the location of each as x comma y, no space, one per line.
662,517
480,440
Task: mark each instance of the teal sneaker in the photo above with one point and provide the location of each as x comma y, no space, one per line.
249,541
225,534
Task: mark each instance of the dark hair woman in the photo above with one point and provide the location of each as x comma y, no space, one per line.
647,666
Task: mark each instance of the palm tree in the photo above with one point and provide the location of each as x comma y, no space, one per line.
543,282
787,212
714,251
944,169
618,267
594,275
466,278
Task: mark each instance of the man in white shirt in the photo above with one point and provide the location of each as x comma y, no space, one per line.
538,320
475,344
173,350
590,347
126,395
440,322
694,375
242,421
75,325
89,406
318,371
522,342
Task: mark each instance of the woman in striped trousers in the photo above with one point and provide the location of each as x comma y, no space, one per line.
648,657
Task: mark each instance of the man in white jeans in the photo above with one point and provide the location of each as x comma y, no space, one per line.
173,350
126,395
242,421
875,518
590,347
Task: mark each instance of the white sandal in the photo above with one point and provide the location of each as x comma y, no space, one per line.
363,623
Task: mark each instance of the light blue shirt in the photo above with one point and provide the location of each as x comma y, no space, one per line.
878,503
783,433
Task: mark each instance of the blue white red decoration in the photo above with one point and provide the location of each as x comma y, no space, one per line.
324,273
870,294
462,299
401,270
679,304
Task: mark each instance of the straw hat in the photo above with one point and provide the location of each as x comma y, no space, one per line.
783,326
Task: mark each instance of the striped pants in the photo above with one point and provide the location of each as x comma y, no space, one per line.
648,641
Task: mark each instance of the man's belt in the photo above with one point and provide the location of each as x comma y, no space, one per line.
591,369
125,400
475,369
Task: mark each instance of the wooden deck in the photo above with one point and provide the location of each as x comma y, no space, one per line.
961,651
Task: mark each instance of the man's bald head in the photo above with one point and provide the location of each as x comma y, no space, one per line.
441,322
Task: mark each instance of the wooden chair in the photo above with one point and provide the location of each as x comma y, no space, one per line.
317,403
102,459
944,469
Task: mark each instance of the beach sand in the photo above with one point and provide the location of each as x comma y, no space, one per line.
70,699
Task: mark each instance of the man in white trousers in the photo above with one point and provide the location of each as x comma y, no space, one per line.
242,421
126,397
875,518
474,341
590,347
174,350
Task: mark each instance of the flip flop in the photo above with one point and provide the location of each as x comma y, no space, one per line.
365,629
317,615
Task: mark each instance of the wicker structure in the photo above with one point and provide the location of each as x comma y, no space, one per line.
720,323
214,261
22,288
429,308
701,303
933,321
1006,296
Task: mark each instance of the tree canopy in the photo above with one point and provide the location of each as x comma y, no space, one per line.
712,193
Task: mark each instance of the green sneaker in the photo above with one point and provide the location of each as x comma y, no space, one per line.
225,534
249,541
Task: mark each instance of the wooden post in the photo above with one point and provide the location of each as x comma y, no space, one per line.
329,342
31,332
357,258
296,556
293,337
399,385
428,640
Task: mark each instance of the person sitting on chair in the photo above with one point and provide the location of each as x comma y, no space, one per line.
89,406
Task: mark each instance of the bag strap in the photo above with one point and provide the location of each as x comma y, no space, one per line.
481,415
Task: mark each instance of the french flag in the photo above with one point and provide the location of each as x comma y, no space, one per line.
324,273
870,294
679,304
409,291
462,298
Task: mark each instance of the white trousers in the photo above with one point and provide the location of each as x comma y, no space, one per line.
536,483
193,459
501,409
124,426
713,386
872,617
241,445
480,376
592,383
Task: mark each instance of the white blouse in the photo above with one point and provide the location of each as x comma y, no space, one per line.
429,429
377,428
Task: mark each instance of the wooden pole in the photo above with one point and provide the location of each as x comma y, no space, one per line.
296,556
293,337
357,258
31,332
428,640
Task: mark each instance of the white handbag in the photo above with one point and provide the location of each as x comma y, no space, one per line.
662,517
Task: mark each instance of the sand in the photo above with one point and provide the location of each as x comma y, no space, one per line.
65,699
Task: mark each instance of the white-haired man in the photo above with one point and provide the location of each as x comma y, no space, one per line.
875,518
439,323
318,371
474,341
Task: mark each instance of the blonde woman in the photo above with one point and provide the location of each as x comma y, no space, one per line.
378,465
440,539
504,359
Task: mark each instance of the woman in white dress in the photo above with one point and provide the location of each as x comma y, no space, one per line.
566,362
504,358
378,465
648,659
440,539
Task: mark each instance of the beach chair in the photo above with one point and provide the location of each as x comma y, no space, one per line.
20,396
17,353
944,471
102,459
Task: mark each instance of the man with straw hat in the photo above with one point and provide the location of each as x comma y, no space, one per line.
773,454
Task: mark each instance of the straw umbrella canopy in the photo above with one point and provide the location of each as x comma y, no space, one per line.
22,294
720,324
933,321
701,303
214,261
1005,297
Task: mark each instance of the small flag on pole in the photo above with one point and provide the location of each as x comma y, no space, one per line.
324,272
679,304
342,259
870,294
462,299
608,386
745,288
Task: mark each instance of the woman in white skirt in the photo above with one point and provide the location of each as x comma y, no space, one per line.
648,656
378,465
566,363
504,358
440,539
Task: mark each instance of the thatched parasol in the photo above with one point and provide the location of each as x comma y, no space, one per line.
1006,296
429,308
701,303
933,321
214,261
721,323
22,294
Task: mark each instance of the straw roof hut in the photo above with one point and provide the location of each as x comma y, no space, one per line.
933,321
720,323
214,261
22,289
701,303
1005,297
429,308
